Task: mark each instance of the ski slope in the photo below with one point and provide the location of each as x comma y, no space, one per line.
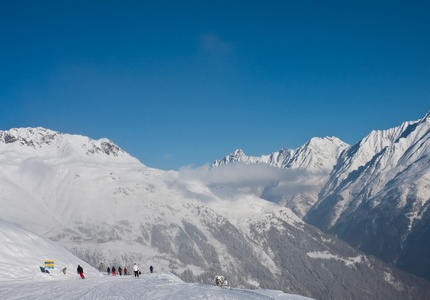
148,286
22,256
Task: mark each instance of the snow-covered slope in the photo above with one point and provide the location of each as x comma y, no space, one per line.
305,171
22,256
106,207
377,197
160,286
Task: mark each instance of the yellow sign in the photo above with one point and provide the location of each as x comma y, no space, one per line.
49,264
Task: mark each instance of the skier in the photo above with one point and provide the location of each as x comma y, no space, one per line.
108,271
113,271
125,270
136,270
119,271
151,269
80,271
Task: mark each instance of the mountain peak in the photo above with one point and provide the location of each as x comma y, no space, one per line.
30,140
238,153
31,137
317,154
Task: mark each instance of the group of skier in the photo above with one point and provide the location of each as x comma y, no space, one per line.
136,271
114,271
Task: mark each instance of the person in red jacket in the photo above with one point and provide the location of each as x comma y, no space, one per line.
125,270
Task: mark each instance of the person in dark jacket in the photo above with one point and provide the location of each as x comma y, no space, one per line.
108,271
151,269
80,271
113,271
119,271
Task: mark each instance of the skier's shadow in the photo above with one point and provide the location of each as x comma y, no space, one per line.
43,270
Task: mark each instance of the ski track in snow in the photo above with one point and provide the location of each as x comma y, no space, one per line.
154,286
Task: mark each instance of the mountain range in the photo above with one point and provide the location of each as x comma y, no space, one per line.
373,194
107,207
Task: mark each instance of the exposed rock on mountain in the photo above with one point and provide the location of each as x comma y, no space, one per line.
105,206
377,196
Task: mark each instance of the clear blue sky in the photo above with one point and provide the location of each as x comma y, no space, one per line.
178,83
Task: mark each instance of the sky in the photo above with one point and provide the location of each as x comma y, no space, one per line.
184,83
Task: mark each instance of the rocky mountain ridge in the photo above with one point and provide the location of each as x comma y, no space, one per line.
113,209
319,154
376,196
58,144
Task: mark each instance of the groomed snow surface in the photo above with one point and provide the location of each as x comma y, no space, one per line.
22,257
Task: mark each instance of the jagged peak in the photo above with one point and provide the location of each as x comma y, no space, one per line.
56,143
378,139
29,136
318,153
237,152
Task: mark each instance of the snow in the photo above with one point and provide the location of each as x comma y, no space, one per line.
384,163
391,280
316,155
348,261
148,286
102,205
22,255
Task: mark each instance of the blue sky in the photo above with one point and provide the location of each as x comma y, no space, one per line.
178,83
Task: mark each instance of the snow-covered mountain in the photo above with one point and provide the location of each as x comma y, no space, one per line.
306,170
377,196
23,276
319,154
373,194
106,207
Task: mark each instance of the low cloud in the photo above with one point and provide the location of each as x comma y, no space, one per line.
239,176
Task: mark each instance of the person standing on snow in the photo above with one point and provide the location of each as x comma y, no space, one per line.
151,269
125,270
80,271
136,270
119,271
113,271
108,271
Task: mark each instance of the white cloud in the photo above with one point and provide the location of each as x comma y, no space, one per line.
214,44
238,175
